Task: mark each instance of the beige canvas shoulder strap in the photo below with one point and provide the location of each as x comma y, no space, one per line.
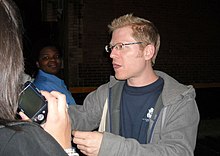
104,115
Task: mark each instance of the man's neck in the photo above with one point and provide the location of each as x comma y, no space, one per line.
144,80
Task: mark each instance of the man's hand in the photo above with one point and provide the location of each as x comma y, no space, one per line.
88,142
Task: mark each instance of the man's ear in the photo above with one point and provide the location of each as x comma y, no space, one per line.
37,64
149,51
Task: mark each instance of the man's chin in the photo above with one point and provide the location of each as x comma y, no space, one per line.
120,77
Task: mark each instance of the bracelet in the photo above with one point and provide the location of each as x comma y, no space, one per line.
71,152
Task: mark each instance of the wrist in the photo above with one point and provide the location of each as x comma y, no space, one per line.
71,151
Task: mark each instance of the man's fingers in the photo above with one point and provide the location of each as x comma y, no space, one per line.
88,142
80,134
80,138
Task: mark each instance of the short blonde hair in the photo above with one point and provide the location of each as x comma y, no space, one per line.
143,30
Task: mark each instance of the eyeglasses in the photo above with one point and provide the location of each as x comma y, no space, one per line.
119,46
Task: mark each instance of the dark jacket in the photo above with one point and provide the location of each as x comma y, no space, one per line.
28,139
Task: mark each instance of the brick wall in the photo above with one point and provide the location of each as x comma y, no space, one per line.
189,38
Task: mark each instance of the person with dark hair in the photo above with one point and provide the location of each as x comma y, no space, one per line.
141,111
49,65
18,137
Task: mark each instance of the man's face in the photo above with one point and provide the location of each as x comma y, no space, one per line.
128,62
49,60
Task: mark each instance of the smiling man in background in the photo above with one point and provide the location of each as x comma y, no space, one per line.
49,64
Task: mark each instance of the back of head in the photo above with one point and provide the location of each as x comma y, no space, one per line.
11,58
143,30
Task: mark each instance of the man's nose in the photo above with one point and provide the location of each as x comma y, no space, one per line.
114,53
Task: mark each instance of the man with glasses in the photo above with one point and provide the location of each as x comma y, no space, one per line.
140,111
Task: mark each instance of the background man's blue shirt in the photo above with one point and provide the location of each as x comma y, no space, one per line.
49,82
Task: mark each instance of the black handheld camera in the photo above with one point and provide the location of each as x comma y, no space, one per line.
32,103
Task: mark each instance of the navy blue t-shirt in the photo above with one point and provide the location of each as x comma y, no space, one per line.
137,104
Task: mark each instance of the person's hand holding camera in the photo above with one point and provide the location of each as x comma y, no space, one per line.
58,123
